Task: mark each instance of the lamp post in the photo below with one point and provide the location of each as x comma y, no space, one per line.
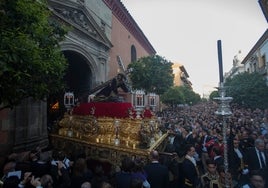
223,111
69,103
69,100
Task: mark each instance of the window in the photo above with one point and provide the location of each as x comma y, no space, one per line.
133,54
262,62
254,67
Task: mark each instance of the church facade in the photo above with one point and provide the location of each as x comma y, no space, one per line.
99,31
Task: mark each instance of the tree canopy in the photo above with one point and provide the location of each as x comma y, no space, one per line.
180,95
31,63
213,94
152,73
173,96
248,89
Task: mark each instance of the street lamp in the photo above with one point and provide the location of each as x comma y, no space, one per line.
68,100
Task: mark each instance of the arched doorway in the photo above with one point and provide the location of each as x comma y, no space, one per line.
78,79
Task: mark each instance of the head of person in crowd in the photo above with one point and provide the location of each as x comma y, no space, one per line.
61,155
244,134
127,164
190,150
106,185
224,176
138,165
211,166
136,183
205,132
8,167
35,154
66,161
214,132
254,135
86,185
80,167
154,156
188,129
236,143
46,181
219,137
257,179
259,144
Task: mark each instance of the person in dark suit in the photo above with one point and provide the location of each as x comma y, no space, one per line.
80,173
123,178
245,141
255,158
218,158
204,150
236,162
257,180
189,169
157,174
189,138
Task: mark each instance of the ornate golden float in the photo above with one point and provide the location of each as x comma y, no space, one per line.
109,139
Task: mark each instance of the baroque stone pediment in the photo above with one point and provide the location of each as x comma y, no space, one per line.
76,17
79,18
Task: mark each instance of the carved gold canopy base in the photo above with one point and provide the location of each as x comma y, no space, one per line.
105,152
109,139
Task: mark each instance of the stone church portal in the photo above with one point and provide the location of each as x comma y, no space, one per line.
78,76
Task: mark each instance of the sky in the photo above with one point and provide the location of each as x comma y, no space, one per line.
187,31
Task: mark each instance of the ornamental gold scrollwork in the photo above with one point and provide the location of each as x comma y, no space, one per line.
105,130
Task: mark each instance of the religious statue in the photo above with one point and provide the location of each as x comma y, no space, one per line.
110,92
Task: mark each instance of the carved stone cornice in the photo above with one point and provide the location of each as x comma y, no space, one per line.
122,14
78,17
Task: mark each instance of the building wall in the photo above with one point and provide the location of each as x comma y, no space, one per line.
122,41
180,75
25,127
256,62
101,14
125,33
177,74
257,58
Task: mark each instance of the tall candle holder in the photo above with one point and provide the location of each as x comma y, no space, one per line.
116,127
224,111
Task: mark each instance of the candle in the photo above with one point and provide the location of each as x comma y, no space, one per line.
220,61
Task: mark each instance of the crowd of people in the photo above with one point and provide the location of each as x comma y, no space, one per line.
195,156
199,143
